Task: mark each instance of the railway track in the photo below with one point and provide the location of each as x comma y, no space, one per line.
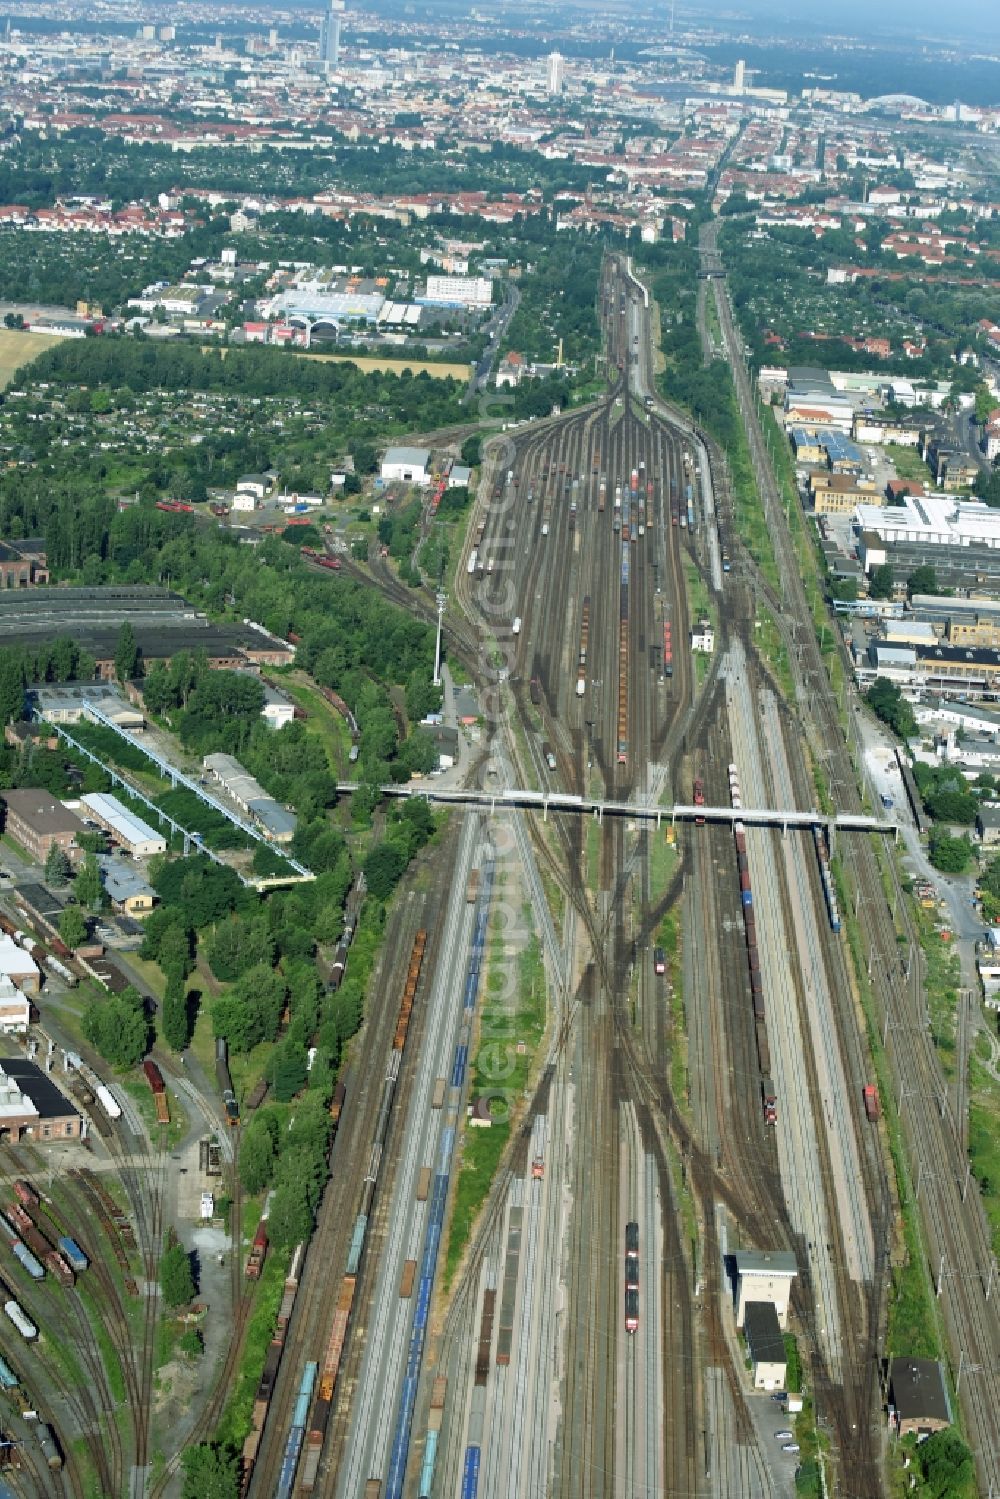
960,1253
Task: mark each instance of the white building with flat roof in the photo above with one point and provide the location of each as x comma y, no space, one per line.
458,291
764,1275
932,520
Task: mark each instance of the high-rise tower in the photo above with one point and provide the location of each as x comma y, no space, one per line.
554,73
329,37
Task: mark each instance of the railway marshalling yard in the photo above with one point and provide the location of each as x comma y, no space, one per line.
538,1360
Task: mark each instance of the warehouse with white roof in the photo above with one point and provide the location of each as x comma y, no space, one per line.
127,830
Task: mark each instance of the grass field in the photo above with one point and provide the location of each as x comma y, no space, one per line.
382,366
17,349
397,366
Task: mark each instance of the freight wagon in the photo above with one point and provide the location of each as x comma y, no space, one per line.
873,1105
406,1280
73,1254
48,1447
258,1252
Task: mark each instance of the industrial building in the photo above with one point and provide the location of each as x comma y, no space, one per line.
37,821
69,702
18,966
406,466
15,1008
163,622
122,825
812,400
765,1345
249,795
764,1275
32,1108
918,1400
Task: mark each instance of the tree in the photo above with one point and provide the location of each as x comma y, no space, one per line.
57,867
175,1023
950,855
72,926
11,687
923,579
126,653
947,1467
118,1027
210,1473
258,1154
888,703
88,886
176,1277
383,868
880,584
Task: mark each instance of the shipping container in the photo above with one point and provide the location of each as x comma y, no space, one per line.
74,1254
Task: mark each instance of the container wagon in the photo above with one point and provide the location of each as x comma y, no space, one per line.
73,1254
423,1183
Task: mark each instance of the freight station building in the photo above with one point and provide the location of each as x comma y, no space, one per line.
32,1108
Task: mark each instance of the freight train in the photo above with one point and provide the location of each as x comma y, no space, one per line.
225,1082
826,877
269,1374
623,657
330,1367
154,1078
768,1095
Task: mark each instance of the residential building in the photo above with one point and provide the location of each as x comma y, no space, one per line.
129,893
126,830
988,823
918,1400
764,1275
765,1345
32,1107
37,821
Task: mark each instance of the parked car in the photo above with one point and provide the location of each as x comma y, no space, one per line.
783,1436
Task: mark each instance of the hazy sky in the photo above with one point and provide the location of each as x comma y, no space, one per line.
959,18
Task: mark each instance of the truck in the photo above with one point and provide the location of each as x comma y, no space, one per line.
873,1106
